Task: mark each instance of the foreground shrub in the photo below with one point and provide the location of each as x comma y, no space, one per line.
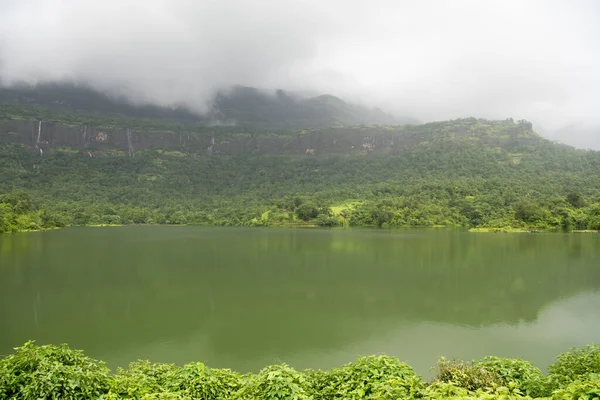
520,374
588,389
144,378
465,375
442,390
369,377
51,372
575,365
149,396
200,382
57,372
494,372
276,382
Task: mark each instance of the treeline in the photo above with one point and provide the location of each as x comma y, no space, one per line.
17,214
59,372
448,183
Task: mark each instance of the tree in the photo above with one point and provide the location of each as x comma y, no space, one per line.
527,212
307,211
575,199
6,218
19,200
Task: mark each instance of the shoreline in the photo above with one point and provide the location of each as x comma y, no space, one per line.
525,230
309,225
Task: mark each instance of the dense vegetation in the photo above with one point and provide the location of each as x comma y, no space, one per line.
58,372
468,172
450,183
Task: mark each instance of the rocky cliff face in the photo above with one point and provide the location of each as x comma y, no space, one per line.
44,136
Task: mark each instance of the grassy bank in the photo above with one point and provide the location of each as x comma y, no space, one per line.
58,372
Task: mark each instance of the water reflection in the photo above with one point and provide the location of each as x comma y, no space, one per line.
243,298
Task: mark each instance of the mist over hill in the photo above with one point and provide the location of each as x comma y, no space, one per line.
238,105
243,106
582,135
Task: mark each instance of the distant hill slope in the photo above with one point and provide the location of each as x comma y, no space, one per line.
60,167
77,157
238,105
253,107
580,135
44,129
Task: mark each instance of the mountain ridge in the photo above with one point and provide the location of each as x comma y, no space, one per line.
128,138
68,168
240,105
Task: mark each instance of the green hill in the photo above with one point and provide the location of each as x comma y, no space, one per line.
64,167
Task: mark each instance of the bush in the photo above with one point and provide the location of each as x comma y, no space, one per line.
200,382
495,372
368,377
307,211
53,372
443,390
110,219
143,378
57,372
575,365
466,375
588,388
326,221
525,377
146,380
275,382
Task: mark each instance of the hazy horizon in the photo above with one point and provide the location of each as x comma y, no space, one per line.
430,60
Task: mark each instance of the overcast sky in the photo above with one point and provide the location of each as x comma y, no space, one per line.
430,59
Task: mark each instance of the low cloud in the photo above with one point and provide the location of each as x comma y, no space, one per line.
431,59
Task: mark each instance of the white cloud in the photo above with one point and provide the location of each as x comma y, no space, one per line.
432,59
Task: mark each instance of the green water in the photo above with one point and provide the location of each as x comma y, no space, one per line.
245,298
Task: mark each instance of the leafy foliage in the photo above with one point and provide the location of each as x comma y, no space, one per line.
440,184
466,375
575,364
307,211
368,377
143,378
54,372
523,375
17,214
275,382
493,372
584,388
200,382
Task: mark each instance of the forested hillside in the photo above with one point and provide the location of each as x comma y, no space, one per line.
64,167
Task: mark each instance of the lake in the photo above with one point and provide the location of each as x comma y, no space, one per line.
245,298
